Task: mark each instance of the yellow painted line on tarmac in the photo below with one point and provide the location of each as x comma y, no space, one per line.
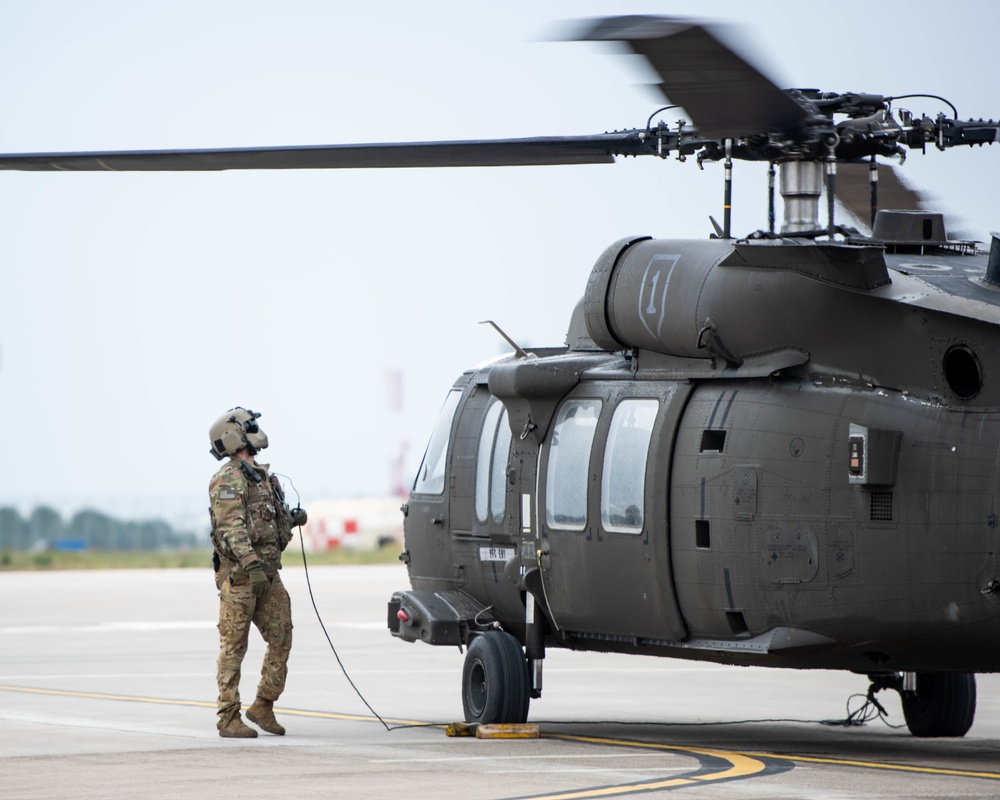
743,763
843,762
840,762
612,791
100,696
741,766
203,704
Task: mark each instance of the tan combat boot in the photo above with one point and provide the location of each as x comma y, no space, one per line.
235,729
261,714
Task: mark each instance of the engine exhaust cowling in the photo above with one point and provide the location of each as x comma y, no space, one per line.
645,293
724,298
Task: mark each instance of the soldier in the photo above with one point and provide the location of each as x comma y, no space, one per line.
251,526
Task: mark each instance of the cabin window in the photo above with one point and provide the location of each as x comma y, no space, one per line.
713,441
430,477
624,478
494,447
569,464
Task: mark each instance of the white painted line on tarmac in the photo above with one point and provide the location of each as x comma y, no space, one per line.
89,724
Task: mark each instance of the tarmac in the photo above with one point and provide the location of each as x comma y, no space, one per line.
107,690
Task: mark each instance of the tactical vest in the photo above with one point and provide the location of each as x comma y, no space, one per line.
249,517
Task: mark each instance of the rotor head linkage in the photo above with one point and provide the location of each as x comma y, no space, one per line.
727,208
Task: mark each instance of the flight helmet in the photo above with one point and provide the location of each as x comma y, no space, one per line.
234,430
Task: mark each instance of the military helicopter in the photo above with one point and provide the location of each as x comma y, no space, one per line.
719,464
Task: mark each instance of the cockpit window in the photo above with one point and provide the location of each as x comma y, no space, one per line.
430,478
624,477
501,455
485,460
569,464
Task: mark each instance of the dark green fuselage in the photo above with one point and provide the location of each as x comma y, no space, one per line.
819,488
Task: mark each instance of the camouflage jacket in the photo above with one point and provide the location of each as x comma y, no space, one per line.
250,519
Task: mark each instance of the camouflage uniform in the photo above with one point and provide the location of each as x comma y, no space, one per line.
250,522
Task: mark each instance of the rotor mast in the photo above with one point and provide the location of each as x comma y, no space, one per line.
800,184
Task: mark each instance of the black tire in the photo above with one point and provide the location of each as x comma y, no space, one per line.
495,682
944,704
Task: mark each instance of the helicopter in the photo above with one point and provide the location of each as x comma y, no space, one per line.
719,465
771,450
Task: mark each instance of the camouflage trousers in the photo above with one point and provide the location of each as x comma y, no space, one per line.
272,614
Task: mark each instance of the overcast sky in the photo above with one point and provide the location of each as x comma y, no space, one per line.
136,308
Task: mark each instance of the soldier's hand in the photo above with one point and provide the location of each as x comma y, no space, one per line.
259,584
299,517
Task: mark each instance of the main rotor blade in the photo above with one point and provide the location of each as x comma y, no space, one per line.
599,149
726,96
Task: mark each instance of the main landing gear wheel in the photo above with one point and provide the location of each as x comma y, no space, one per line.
495,683
944,704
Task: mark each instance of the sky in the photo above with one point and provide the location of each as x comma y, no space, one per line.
137,308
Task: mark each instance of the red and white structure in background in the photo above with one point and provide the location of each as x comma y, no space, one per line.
363,523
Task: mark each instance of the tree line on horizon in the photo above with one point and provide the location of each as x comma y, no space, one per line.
46,529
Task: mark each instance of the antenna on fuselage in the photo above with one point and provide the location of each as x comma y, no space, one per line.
517,348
